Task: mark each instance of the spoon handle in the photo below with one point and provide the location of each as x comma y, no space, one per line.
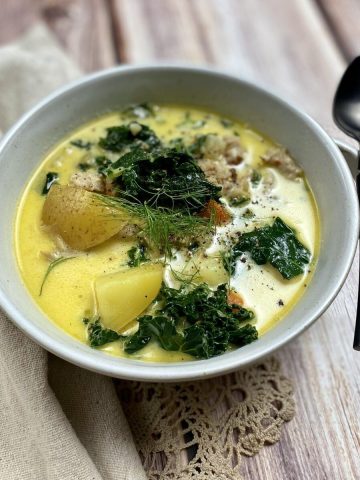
356,344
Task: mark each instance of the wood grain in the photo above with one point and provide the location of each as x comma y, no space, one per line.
299,49
302,63
83,27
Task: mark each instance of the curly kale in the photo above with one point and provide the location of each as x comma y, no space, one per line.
163,178
133,135
98,335
211,324
137,255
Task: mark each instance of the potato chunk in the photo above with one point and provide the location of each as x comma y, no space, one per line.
81,219
211,271
124,295
204,269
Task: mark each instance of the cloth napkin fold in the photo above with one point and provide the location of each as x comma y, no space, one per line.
57,421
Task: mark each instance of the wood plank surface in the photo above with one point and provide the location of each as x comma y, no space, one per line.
299,49
260,41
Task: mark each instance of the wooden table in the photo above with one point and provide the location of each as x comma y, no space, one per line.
299,48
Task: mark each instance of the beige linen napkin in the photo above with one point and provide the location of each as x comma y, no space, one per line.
57,421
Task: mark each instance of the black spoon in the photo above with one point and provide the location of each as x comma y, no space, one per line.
346,113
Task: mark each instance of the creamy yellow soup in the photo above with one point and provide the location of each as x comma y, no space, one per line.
67,295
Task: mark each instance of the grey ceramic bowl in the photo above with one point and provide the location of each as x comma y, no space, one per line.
24,146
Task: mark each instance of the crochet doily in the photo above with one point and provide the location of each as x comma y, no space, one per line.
201,429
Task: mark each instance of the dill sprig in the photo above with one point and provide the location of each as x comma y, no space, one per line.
51,266
162,227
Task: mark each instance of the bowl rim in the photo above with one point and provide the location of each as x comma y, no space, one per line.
167,372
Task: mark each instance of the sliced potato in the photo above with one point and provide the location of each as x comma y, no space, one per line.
124,295
205,269
80,217
212,271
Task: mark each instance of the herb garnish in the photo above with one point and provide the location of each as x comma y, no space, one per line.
164,187
196,148
211,324
159,327
83,166
103,163
276,244
137,255
98,335
255,178
189,122
51,178
164,178
51,266
178,144
248,214
239,201
134,135
163,228
81,144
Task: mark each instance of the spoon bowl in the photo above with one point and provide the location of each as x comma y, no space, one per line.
346,107
346,113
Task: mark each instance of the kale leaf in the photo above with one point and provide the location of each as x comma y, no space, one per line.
276,244
201,304
243,335
99,335
164,178
137,255
51,178
133,135
159,327
211,324
139,339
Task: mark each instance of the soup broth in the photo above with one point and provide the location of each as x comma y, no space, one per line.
258,240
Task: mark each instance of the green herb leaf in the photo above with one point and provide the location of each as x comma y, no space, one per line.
164,330
239,202
196,148
139,339
255,178
134,135
211,324
189,122
99,335
83,166
276,244
51,178
81,144
178,144
51,266
137,255
163,228
248,214
243,335
164,178
104,164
